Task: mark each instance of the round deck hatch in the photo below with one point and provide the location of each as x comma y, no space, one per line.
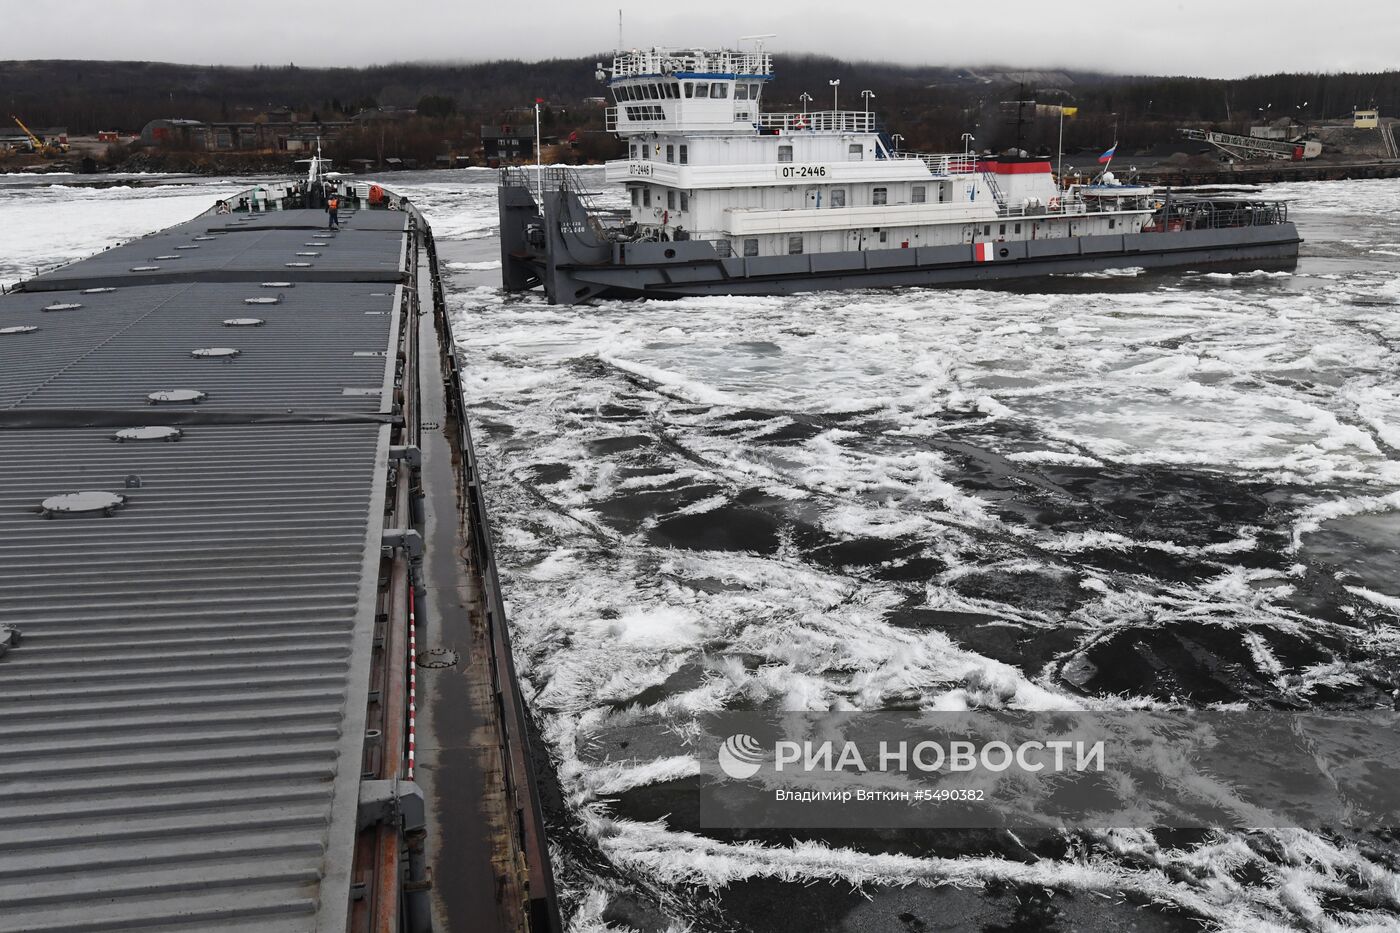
153,432
244,322
177,395
222,353
88,502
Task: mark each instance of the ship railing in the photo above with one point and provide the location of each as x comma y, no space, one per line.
1187,214
940,163
513,176
559,177
844,121
699,61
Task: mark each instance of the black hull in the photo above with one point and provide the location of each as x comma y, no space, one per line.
563,252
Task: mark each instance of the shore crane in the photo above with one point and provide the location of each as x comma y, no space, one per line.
47,150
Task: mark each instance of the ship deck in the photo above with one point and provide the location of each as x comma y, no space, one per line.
201,719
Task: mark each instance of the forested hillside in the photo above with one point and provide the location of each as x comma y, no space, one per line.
929,106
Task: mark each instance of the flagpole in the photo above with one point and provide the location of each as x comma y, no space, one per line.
539,157
1060,152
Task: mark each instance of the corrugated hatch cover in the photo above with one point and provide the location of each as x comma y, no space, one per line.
181,723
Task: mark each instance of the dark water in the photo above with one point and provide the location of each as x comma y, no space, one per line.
1119,491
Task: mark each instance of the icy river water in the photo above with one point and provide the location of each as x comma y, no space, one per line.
1119,491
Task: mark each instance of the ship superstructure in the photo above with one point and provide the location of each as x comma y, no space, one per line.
708,172
703,160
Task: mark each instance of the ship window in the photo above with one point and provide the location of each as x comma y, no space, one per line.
751,247
636,197
884,237
719,90
689,89
646,197
794,246
987,230
653,92
1017,229
1111,223
784,153
741,91
671,200
838,197
685,201
753,90
685,154
919,194
880,196
672,91
722,247
702,89
670,153
1001,229
633,150
856,152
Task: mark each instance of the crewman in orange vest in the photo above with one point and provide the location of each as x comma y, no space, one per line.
333,208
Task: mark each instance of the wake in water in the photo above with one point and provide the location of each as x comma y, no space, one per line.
1138,491
1181,492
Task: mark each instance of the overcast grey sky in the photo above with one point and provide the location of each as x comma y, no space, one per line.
1222,38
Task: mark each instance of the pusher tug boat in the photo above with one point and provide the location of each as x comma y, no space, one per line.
727,199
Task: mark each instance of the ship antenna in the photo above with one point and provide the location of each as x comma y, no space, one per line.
619,29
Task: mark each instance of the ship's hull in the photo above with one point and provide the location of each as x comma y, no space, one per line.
575,265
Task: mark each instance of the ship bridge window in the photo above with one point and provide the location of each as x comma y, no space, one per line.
651,112
670,152
880,196
838,197
673,90
741,91
784,153
685,154
753,90
719,90
702,89
689,88
856,152
918,195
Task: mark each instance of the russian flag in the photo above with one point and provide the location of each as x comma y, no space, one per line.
1108,156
